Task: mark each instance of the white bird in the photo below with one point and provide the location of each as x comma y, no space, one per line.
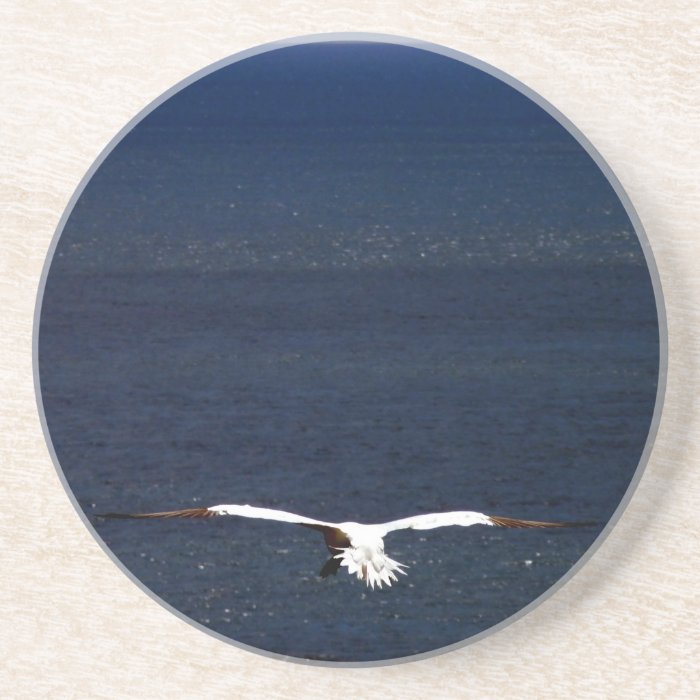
358,547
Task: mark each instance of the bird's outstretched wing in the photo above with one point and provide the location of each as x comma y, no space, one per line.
464,518
336,538
242,511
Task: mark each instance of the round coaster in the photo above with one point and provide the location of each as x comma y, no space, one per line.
349,349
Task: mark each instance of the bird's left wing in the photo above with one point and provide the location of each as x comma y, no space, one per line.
242,511
464,518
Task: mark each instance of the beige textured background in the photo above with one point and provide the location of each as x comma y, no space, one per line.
73,73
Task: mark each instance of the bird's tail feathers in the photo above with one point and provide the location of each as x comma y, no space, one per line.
374,570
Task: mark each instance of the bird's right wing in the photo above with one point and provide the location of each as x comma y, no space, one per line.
464,518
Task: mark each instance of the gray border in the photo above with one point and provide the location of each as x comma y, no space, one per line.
583,142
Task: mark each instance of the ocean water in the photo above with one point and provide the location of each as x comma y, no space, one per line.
354,324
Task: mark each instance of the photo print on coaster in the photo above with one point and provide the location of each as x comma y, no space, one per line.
349,348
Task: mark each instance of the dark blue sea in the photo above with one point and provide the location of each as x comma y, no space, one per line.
361,324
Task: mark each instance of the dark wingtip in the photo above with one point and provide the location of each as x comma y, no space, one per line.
184,513
517,523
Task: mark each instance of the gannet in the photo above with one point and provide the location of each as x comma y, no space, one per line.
356,546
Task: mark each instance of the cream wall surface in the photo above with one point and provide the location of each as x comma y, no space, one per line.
625,73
